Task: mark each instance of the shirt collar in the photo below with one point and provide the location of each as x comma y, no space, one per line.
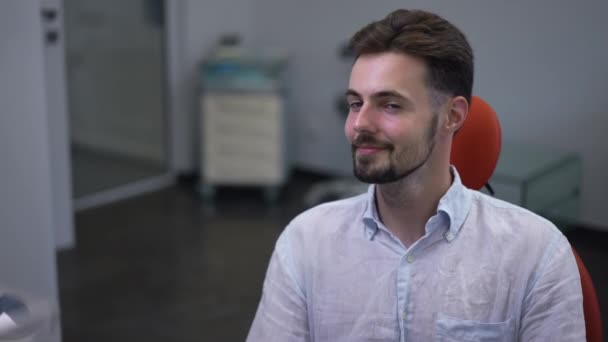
455,204
371,220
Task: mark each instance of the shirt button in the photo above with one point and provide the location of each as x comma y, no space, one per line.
449,235
410,258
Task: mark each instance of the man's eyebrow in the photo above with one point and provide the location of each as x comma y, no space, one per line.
389,93
380,94
351,92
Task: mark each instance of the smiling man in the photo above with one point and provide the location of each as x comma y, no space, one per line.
419,257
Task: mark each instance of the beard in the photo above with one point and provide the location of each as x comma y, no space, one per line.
395,165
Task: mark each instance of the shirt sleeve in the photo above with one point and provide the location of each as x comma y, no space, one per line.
553,307
282,314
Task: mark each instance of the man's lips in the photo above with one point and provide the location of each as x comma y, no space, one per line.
368,149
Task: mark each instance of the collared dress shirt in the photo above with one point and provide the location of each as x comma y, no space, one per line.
485,270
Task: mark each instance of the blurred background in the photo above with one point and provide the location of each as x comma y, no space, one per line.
153,150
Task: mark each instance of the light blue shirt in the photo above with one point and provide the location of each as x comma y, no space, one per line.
485,270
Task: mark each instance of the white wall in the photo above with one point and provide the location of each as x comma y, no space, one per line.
540,64
27,259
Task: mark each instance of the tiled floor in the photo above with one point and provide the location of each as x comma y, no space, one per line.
167,267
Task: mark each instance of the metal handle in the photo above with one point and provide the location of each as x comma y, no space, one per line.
49,14
51,37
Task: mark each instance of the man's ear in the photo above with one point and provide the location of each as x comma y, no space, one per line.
457,113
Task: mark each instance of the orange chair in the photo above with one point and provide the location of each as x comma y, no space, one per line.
475,152
593,322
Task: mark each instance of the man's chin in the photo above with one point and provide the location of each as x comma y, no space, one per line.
375,177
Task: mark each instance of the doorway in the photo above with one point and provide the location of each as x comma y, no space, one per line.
116,75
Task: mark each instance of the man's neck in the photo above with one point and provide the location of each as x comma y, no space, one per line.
405,206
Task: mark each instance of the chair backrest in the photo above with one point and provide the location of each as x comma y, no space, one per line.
475,152
593,323
476,146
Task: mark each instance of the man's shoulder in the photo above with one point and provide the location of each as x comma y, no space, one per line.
518,239
507,218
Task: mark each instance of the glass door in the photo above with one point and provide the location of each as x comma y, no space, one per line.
115,66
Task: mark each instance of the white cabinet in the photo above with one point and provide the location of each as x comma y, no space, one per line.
242,140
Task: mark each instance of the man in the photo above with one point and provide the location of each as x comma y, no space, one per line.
419,257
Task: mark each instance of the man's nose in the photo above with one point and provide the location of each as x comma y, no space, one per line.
365,120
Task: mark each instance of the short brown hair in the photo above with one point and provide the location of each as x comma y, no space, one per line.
443,47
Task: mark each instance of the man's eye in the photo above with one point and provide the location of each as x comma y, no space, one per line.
354,105
392,107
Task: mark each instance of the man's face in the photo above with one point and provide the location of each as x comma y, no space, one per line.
391,124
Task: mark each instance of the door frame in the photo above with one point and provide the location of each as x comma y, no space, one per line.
27,214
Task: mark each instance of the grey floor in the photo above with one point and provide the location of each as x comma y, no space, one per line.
167,267
94,170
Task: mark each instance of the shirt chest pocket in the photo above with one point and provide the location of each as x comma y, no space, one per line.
449,329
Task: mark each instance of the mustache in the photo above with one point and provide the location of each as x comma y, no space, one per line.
369,140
